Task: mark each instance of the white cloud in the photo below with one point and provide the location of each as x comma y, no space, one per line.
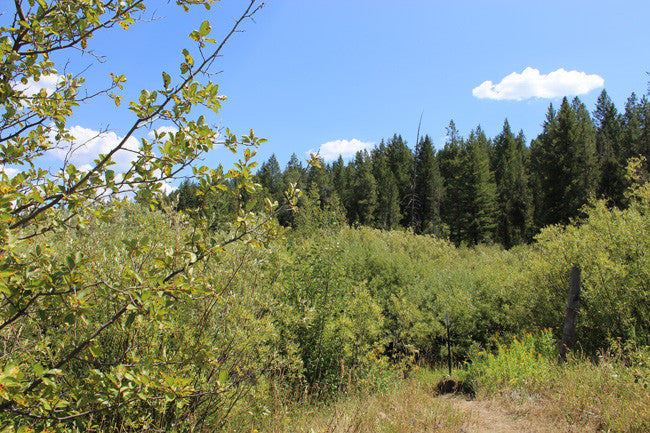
10,171
531,84
88,144
331,150
168,188
163,129
47,82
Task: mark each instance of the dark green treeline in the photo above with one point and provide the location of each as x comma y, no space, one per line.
477,189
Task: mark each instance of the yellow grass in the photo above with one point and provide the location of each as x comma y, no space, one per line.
409,406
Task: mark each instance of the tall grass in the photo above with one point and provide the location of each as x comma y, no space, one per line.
610,394
407,406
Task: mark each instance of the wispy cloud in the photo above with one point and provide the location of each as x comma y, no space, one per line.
531,84
331,150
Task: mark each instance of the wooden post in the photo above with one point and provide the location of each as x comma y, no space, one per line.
571,318
448,345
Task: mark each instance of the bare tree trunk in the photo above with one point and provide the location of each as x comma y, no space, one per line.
571,318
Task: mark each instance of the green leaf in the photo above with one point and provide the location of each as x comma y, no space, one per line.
166,79
205,28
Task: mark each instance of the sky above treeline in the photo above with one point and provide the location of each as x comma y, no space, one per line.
337,76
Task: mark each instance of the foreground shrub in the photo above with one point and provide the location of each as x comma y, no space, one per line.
528,361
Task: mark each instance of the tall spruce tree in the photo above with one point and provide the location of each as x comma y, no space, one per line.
294,173
514,198
564,163
187,195
585,163
387,213
479,209
319,183
636,121
364,190
270,177
611,158
428,188
400,160
341,182
450,160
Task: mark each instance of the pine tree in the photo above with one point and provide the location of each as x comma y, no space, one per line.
636,125
319,182
187,196
585,164
294,173
643,145
340,181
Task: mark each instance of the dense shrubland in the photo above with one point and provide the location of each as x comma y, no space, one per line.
317,314
492,293
321,312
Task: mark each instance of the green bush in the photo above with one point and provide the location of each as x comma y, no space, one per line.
528,361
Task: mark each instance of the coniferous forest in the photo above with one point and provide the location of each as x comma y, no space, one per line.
477,189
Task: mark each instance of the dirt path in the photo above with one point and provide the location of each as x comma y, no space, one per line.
489,417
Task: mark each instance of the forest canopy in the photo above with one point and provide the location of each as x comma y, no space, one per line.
477,189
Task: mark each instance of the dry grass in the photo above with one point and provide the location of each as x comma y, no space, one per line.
583,397
605,395
580,396
409,406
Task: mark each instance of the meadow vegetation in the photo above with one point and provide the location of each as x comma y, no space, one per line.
314,325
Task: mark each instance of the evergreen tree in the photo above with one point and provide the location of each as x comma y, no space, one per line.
585,164
319,183
428,188
294,173
451,165
387,213
479,216
270,177
611,158
341,181
514,198
187,196
643,145
636,121
400,160
364,190
564,163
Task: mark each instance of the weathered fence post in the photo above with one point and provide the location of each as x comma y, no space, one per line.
571,318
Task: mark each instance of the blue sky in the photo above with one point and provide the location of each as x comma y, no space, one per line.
311,72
